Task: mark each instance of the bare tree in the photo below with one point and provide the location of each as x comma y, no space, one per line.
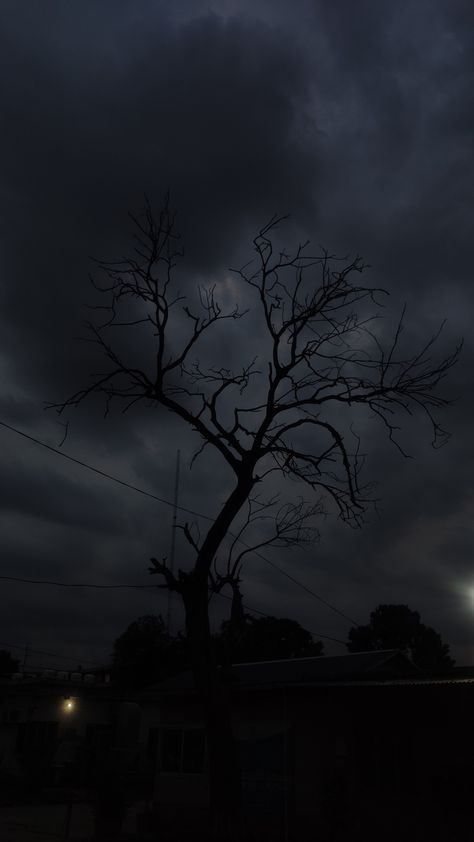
274,414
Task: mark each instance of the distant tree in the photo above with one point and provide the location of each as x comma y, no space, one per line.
429,651
8,664
398,627
145,654
265,639
390,627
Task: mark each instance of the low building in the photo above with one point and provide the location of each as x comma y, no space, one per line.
356,746
59,727
346,746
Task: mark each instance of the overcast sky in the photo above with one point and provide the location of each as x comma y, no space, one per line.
356,119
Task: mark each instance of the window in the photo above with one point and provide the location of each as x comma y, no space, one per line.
182,750
193,751
171,746
37,736
152,751
99,735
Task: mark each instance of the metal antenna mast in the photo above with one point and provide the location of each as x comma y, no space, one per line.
173,539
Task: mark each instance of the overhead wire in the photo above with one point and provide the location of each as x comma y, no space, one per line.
38,668
99,471
108,587
31,650
133,487
149,494
58,584
270,617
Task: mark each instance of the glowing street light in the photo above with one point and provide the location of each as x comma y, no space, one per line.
69,704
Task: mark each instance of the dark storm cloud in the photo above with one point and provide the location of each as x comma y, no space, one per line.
209,108
395,137
50,496
354,118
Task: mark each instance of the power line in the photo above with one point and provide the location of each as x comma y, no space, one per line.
100,472
75,584
112,587
43,668
270,617
307,589
97,664
97,586
49,654
182,509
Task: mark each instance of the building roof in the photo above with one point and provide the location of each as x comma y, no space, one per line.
360,667
463,672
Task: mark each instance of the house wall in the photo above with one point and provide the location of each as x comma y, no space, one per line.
362,754
32,706
340,760
320,755
173,789
262,728
259,726
35,720
48,728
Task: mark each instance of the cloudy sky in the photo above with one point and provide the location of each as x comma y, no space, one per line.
356,119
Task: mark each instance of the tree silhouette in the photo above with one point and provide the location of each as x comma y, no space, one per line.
8,664
265,639
144,653
429,651
286,412
398,627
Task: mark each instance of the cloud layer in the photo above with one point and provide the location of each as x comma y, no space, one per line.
354,120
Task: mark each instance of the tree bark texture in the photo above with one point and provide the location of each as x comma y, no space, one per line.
225,788
223,757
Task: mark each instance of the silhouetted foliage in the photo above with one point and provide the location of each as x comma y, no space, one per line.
265,639
8,664
398,627
145,654
429,651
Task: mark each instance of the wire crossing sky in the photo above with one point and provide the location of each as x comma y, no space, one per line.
354,119
167,503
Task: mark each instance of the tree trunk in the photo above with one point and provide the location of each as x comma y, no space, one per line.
224,767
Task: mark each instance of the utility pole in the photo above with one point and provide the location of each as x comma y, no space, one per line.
173,539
